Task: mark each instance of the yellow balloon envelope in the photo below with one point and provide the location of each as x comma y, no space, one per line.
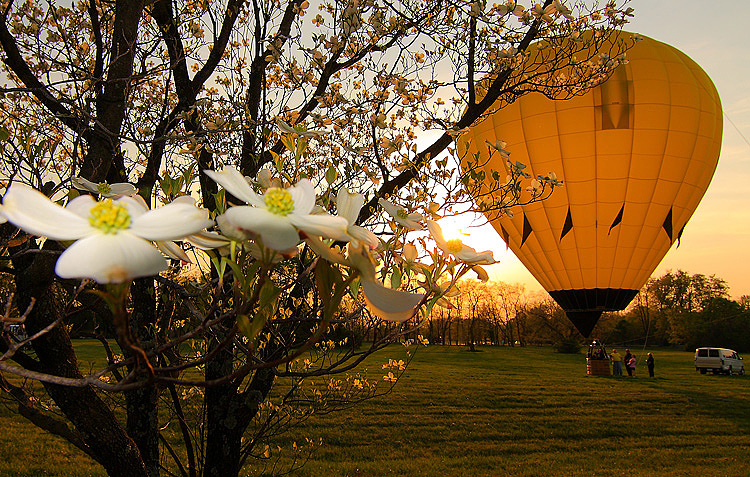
636,154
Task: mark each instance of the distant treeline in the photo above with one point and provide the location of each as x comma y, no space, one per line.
677,309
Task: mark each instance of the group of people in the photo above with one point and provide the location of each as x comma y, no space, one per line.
629,361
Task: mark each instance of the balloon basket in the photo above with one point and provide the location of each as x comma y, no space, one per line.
598,367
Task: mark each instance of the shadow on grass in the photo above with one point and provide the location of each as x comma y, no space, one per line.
717,398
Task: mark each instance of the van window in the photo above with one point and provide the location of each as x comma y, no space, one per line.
703,353
713,353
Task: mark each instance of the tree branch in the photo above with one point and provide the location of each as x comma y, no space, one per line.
14,60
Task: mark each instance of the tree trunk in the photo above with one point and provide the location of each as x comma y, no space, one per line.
228,414
142,404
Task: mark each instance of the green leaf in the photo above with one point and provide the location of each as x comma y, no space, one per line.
221,202
288,142
189,174
268,295
220,265
396,278
252,328
4,134
354,288
331,174
278,162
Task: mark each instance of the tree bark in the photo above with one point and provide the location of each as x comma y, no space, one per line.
142,404
228,414
103,140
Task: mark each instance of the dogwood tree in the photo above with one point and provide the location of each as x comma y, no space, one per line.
222,192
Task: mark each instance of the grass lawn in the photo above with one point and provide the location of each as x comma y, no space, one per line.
500,411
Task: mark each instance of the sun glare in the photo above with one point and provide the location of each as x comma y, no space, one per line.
452,229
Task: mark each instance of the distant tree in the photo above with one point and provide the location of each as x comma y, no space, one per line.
722,323
681,291
682,309
475,296
552,325
745,302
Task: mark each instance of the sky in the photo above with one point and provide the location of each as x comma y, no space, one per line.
716,240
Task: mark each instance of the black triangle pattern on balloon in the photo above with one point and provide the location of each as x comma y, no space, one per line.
617,220
526,229
567,226
667,225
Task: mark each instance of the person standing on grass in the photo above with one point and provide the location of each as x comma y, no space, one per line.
626,360
616,359
631,366
650,364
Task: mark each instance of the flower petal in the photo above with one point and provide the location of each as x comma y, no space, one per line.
122,189
411,221
329,226
361,259
303,195
264,178
34,213
135,204
234,183
362,234
115,190
389,207
332,255
481,273
81,206
172,250
205,240
470,256
389,304
437,233
348,204
410,253
277,232
184,199
84,184
233,231
173,221
110,258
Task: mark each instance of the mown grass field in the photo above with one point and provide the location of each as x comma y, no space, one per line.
500,411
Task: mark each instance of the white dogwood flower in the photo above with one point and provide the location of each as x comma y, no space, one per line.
111,191
386,303
400,215
499,146
111,237
277,215
458,249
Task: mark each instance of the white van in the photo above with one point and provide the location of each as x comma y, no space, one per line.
718,360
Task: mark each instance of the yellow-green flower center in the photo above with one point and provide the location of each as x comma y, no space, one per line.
402,214
103,188
279,201
454,245
109,217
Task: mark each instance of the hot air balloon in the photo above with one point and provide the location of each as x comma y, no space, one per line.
636,154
